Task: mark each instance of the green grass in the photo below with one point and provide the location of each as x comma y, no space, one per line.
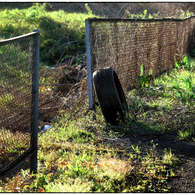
71,159
60,32
167,103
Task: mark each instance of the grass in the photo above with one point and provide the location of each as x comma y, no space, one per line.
73,155
167,103
62,34
10,139
71,159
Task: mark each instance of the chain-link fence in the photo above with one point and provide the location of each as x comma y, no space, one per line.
126,44
19,72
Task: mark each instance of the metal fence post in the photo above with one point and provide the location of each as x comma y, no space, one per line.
89,64
35,97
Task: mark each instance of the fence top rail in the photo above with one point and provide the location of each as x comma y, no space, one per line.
138,19
11,40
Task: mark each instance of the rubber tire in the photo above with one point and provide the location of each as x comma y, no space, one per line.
110,95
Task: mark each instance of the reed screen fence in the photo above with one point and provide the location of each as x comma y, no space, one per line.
126,44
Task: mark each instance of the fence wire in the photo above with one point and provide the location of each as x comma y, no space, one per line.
126,44
16,70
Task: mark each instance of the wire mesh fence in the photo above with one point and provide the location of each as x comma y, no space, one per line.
18,93
126,44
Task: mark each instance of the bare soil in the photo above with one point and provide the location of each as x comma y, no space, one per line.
184,150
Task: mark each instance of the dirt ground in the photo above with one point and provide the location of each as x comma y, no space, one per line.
184,182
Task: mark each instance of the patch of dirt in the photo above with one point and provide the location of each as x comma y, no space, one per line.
183,149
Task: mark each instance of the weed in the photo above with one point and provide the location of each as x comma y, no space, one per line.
185,14
67,163
169,158
136,149
183,134
88,9
144,80
129,15
6,99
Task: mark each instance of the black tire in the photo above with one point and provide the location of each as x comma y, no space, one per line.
110,95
